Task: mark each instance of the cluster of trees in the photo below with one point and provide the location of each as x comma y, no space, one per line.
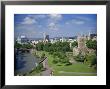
28,46
60,57
75,44
92,44
49,47
90,58
57,50
43,56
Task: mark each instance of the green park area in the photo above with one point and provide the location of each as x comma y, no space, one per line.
76,69
62,62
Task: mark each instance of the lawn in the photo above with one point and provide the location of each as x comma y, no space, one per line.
34,73
77,69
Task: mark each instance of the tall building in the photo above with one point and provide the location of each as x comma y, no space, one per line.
92,35
18,40
47,38
24,40
44,35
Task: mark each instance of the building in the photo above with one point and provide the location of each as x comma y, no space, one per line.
82,48
47,38
18,40
22,40
92,36
34,42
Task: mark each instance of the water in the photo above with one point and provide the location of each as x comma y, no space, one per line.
24,63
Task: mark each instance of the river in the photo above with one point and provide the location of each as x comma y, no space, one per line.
24,63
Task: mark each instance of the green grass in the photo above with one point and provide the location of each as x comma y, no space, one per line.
73,74
77,69
34,73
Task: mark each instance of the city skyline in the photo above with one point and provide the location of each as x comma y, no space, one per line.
54,25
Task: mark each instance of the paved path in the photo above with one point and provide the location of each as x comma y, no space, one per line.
48,71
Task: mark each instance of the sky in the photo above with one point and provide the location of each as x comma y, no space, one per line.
55,25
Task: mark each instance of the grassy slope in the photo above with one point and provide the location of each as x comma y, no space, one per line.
78,69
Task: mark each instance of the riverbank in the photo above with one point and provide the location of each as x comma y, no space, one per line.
24,63
42,69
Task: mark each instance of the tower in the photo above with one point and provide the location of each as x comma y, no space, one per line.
44,36
89,35
62,39
81,42
47,37
18,40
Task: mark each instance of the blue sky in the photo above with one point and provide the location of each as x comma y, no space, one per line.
33,25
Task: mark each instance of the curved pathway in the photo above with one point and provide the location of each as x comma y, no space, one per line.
48,71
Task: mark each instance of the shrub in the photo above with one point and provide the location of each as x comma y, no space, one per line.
67,64
55,61
39,67
80,58
43,55
91,59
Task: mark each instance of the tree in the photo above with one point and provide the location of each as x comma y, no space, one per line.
27,46
17,45
91,44
56,60
47,47
43,55
64,60
39,68
91,59
40,46
94,60
74,44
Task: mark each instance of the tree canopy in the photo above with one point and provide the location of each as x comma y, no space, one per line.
55,47
91,44
75,44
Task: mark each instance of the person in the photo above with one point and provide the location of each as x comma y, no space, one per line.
51,72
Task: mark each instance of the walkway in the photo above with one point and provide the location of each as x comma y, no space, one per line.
48,71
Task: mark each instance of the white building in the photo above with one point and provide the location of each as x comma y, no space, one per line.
22,40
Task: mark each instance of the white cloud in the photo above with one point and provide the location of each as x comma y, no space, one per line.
28,20
27,30
52,26
53,20
55,17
